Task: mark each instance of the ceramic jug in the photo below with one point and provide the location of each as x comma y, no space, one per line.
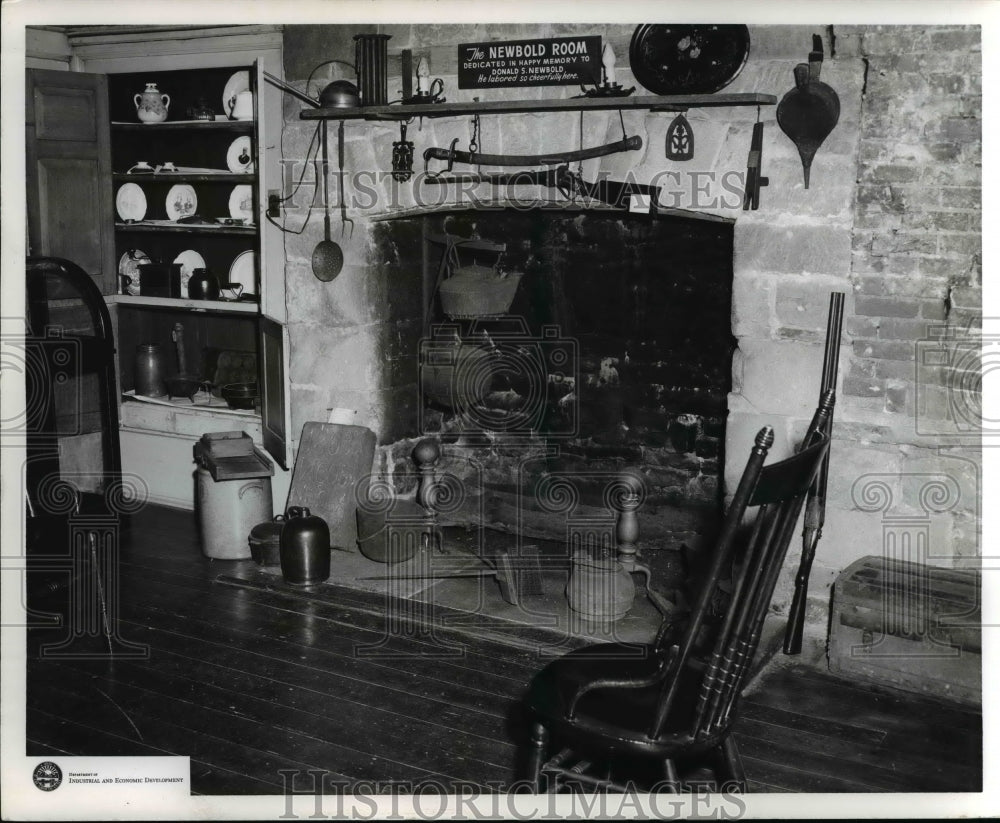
151,106
203,285
305,548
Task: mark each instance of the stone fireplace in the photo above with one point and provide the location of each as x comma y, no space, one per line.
629,316
891,219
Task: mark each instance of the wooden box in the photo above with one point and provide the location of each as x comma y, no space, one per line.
910,626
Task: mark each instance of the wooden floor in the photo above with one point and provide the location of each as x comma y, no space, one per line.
249,681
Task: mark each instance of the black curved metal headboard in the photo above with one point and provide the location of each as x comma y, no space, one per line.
69,333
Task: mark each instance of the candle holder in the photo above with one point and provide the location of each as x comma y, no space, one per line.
432,96
428,91
607,87
607,90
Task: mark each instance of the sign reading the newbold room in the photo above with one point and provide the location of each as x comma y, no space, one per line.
553,61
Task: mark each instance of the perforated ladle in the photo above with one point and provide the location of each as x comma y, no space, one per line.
327,257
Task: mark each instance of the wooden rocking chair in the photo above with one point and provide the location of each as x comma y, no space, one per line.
614,705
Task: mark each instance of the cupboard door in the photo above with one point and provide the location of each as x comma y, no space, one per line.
268,119
68,171
274,414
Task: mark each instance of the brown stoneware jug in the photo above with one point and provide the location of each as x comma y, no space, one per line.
305,548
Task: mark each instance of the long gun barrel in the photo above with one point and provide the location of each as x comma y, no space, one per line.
815,510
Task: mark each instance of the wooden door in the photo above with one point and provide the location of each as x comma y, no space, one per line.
68,155
274,414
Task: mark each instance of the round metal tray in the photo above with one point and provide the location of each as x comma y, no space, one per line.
688,58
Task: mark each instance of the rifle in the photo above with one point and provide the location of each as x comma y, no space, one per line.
570,184
815,509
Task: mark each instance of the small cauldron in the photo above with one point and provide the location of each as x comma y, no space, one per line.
240,395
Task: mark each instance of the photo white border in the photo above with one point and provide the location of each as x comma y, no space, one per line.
20,799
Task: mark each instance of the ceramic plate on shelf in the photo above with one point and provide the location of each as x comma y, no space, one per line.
128,266
130,202
189,260
242,272
239,158
241,203
240,81
181,201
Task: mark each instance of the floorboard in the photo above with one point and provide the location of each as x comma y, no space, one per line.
248,679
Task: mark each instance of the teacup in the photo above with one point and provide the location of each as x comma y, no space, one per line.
168,167
140,167
231,291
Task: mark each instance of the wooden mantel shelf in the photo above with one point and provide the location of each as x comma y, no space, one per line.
672,103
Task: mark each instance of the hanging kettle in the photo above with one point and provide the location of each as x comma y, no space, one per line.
305,548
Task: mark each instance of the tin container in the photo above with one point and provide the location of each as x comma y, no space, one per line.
150,369
371,60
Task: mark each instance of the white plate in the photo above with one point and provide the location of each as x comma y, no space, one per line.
181,201
237,83
242,272
239,157
241,203
130,202
189,260
129,266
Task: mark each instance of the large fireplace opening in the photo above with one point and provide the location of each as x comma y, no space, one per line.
618,352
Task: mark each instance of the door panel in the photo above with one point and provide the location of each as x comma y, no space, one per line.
65,114
68,171
275,423
62,183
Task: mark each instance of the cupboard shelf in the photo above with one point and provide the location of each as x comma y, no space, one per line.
240,126
235,178
219,306
672,103
169,227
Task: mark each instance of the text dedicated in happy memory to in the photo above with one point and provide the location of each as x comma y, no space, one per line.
547,62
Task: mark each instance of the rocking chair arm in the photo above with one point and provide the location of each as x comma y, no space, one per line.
620,683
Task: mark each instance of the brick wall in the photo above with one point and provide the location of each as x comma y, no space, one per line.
916,244
906,444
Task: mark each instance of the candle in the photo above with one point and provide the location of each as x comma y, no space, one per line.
423,76
608,61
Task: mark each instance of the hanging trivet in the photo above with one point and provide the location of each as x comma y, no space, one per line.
402,156
680,139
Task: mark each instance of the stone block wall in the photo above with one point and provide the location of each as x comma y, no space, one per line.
891,218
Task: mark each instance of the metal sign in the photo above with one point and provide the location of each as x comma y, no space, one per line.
552,61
